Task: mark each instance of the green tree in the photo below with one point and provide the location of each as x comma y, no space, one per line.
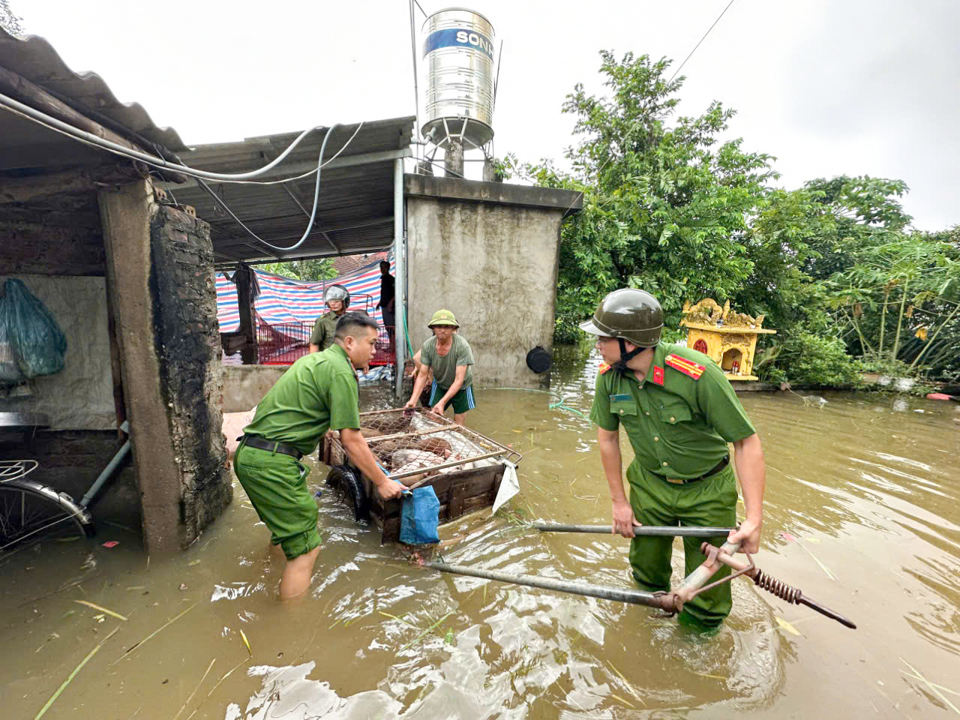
665,203
308,270
9,21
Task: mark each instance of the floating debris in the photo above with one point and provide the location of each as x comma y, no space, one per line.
72,675
101,609
151,635
786,626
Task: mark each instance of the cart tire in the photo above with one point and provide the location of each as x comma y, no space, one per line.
348,480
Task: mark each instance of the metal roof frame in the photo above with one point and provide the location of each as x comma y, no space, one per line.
355,212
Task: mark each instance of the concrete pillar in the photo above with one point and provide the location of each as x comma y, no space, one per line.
453,159
160,272
249,354
489,170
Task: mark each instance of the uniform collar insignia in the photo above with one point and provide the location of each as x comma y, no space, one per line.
657,377
603,368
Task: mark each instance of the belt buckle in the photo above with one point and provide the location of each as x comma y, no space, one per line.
675,481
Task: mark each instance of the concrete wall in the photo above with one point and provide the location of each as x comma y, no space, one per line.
488,252
160,268
81,396
245,385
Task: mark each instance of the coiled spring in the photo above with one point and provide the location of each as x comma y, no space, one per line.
778,587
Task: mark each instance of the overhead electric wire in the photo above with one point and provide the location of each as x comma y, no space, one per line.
701,40
313,213
580,194
303,175
64,128
84,137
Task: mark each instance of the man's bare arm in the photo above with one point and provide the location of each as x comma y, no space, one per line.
753,479
623,518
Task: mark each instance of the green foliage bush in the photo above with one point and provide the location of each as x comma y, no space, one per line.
671,206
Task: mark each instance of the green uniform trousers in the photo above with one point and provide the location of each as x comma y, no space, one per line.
277,487
708,502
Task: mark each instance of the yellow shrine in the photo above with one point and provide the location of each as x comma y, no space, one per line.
726,337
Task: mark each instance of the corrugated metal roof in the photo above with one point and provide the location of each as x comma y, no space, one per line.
355,212
35,59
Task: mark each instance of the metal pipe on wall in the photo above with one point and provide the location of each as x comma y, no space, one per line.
400,269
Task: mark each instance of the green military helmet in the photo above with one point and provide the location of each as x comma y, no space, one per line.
443,317
633,315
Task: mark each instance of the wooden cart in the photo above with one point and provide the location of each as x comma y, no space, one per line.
465,476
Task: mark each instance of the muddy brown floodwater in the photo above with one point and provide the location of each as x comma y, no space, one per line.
862,513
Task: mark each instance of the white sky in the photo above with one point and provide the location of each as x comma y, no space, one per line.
827,86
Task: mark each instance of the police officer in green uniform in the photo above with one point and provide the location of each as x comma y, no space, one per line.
337,298
448,356
318,393
679,412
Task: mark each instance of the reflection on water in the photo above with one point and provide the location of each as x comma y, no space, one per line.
862,514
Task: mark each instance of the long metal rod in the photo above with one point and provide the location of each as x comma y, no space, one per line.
652,530
634,597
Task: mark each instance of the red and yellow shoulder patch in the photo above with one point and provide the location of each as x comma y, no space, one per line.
603,368
687,367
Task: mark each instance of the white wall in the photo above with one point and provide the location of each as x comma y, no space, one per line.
81,396
495,267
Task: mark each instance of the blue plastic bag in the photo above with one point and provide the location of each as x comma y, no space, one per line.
37,341
420,517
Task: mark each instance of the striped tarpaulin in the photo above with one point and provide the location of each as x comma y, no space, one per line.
283,300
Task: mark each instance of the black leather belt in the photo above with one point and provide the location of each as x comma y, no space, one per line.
680,481
255,441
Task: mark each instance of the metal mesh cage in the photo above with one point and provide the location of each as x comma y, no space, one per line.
412,446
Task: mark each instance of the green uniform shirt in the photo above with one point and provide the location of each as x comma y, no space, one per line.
318,393
678,426
323,330
445,368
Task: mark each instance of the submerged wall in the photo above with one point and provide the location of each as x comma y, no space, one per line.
245,385
488,252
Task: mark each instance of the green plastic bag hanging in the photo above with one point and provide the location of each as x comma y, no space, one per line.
9,370
37,341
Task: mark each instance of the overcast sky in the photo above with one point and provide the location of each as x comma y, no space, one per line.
827,86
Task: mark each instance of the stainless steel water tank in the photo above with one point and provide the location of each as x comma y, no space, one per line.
459,68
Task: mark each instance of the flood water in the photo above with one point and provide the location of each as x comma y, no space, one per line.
862,514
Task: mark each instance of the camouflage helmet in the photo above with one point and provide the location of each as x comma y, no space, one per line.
337,292
633,315
443,317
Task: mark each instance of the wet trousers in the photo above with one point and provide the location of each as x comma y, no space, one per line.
277,487
708,502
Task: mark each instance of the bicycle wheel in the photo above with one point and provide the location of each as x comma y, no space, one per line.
32,512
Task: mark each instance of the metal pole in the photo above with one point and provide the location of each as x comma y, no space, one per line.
400,268
634,597
108,470
646,530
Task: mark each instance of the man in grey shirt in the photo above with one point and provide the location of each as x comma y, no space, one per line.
449,357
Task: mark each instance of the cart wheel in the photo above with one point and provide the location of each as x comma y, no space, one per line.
348,480
31,512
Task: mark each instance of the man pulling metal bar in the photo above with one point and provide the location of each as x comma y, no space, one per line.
679,412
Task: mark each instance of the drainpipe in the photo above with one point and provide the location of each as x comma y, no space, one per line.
399,254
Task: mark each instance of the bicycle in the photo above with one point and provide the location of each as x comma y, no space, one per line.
31,511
